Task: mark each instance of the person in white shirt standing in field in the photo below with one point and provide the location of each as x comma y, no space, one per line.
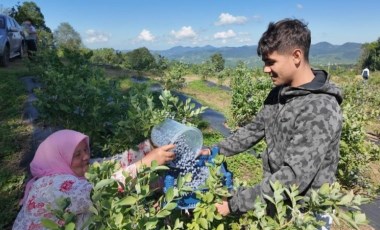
365,73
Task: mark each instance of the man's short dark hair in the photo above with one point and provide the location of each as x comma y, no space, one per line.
285,36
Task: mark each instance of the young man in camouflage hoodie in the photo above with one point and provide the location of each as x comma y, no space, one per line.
301,120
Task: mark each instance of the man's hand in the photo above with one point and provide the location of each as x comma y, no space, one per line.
223,208
205,151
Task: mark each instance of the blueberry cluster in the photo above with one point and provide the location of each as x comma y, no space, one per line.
186,162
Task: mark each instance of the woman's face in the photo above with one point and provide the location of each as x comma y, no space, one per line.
81,157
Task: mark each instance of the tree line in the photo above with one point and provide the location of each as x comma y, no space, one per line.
370,57
65,37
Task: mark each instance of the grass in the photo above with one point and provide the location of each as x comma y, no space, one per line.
123,76
14,140
245,167
213,97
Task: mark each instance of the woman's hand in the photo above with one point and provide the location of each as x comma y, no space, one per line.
162,155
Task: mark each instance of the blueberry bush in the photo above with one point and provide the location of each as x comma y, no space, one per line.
77,95
249,90
138,206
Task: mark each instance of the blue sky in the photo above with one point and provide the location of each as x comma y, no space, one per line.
127,24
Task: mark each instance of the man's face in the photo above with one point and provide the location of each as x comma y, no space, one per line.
280,68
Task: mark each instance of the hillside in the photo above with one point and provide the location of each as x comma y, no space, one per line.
320,54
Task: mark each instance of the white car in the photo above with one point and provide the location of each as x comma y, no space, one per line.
11,39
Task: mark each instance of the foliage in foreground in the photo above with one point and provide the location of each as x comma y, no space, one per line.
135,206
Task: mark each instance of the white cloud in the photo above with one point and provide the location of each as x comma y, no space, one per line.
146,35
94,36
225,34
244,40
257,18
244,37
184,33
299,6
227,19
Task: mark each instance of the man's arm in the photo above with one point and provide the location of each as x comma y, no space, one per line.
245,137
315,129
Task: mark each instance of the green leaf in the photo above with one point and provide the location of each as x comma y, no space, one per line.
70,226
218,217
138,188
269,198
360,218
95,164
210,216
170,206
325,189
209,197
203,222
151,224
118,219
178,224
219,159
163,213
68,217
278,197
161,168
346,199
154,164
129,200
103,183
93,210
169,194
47,223
180,182
188,177
220,227
349,220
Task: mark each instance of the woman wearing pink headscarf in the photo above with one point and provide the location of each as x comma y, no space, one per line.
58,170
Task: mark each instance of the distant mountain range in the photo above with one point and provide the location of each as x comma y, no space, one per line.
320,54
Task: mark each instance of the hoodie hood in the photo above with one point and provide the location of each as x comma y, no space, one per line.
320,84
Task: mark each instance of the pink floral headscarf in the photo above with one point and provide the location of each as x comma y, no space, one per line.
54,155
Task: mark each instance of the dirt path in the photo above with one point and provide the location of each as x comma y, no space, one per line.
30,115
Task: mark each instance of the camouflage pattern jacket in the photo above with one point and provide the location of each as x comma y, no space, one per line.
302,127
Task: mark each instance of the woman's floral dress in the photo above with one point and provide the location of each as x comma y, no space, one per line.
46,190
42,198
